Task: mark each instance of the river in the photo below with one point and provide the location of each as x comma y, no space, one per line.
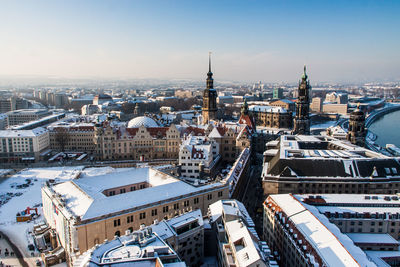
387,128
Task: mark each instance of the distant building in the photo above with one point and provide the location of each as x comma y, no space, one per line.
21,116
284,103
333,229
321,164
101,99
334,108
90,109
23,145
316,104
183,93
337,98
277,93
236,240
12,103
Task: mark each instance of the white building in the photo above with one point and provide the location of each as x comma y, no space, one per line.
238,243
197,155
23,145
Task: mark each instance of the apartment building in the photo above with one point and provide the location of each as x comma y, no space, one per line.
22,116
333,229
198,156
322,164
23,145
88,210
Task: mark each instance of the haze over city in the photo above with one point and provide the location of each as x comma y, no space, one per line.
340,41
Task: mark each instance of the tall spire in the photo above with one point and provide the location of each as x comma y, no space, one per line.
209,61
210,81
304,73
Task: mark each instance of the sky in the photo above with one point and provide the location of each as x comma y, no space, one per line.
269,41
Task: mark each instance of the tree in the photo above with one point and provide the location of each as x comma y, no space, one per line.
61,137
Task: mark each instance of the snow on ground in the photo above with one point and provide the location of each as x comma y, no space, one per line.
323,125
23,190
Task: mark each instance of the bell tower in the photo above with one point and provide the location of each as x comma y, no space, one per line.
209,110
302,119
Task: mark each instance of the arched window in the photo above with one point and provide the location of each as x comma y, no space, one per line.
130,229
117,233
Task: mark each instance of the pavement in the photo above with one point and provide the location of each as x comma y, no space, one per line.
14,257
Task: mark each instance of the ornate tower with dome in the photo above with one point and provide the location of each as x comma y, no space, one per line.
357,132
302,119
209,110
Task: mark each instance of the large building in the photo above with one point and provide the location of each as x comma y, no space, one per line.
143,247
209,98
90,209
321,164
302,119
23,145
77,136
271,117
234,239
22,116
141,139
333,229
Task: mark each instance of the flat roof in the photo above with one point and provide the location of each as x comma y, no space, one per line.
372,238
83,197
23,133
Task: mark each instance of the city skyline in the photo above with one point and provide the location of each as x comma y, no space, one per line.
268,41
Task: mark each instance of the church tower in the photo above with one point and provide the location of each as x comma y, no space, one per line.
357,132
302,119
209,110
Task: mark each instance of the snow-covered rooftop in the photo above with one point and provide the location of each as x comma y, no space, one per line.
84,196
334,248
23,133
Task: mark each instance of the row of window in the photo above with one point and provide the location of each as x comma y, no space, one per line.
142,215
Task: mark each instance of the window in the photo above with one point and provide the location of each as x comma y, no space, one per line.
122,190
133,188
111,193
117,222
129,219
154,212
165,209
142,215
176,206
196,200
220,194
186,203
117,233
209,196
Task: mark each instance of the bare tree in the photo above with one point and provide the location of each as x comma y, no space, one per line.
61,137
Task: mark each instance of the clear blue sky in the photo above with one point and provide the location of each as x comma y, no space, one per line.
250,40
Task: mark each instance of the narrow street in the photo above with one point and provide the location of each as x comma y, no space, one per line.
253,196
